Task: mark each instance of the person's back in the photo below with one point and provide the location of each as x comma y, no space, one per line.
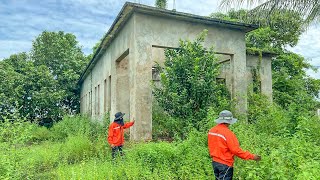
223,146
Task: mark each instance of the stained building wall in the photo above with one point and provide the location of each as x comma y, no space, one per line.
121,78
263,67
100,94
153,32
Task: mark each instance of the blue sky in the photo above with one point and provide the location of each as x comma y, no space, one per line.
22,20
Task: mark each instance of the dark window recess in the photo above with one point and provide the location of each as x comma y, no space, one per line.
221,81
155,74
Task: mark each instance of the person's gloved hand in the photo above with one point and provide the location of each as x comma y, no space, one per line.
257,158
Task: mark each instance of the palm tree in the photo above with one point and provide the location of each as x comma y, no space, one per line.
308,9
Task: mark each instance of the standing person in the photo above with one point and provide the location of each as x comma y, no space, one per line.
223,146
116,133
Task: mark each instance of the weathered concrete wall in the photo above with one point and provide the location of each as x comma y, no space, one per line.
154,30
120,81
102,79
226,72
265,73
123,91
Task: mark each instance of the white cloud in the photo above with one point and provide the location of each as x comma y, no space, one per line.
9,47
200,7
87,19
23,20
309,47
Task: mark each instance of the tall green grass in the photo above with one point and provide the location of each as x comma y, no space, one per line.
76,148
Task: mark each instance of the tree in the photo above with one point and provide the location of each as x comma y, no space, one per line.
161,4
188,81
291,83
61,53
293,89
42,85
10,89
27,90
282,29
309,9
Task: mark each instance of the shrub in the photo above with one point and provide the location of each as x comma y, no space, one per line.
18,132
77,125
76,148
188,82
165,127
41,134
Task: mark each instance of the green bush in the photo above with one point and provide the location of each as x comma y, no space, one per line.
165,127
39,159
77,148
188,82
70,126
76,125
28,161
41,134
16,132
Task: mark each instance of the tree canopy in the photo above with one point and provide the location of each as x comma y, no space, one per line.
42,84
282,29
293,88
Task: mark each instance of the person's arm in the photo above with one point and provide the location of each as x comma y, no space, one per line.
234,147
210,145
128,124
110,135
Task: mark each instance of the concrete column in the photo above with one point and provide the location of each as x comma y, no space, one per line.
122,83
239,85
140,88
113,93
141,100
266,77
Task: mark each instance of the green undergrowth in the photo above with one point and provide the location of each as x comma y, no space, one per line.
76,148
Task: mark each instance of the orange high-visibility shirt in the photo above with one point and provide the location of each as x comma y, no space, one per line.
223,146
116,134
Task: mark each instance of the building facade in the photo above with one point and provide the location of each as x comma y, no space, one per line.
119,76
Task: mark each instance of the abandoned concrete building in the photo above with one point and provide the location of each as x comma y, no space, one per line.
118,78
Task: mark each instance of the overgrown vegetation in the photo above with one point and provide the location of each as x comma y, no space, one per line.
293,89
285,133
161,4
188,84
76,148
41,85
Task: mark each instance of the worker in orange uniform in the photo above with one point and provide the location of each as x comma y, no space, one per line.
116,133
223,146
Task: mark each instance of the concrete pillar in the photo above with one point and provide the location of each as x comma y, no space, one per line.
122,84
239,85
113,93
266,77
141,93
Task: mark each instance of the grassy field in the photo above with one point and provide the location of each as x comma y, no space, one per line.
75,148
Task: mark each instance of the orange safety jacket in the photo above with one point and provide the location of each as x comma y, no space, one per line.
223,146
116,134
